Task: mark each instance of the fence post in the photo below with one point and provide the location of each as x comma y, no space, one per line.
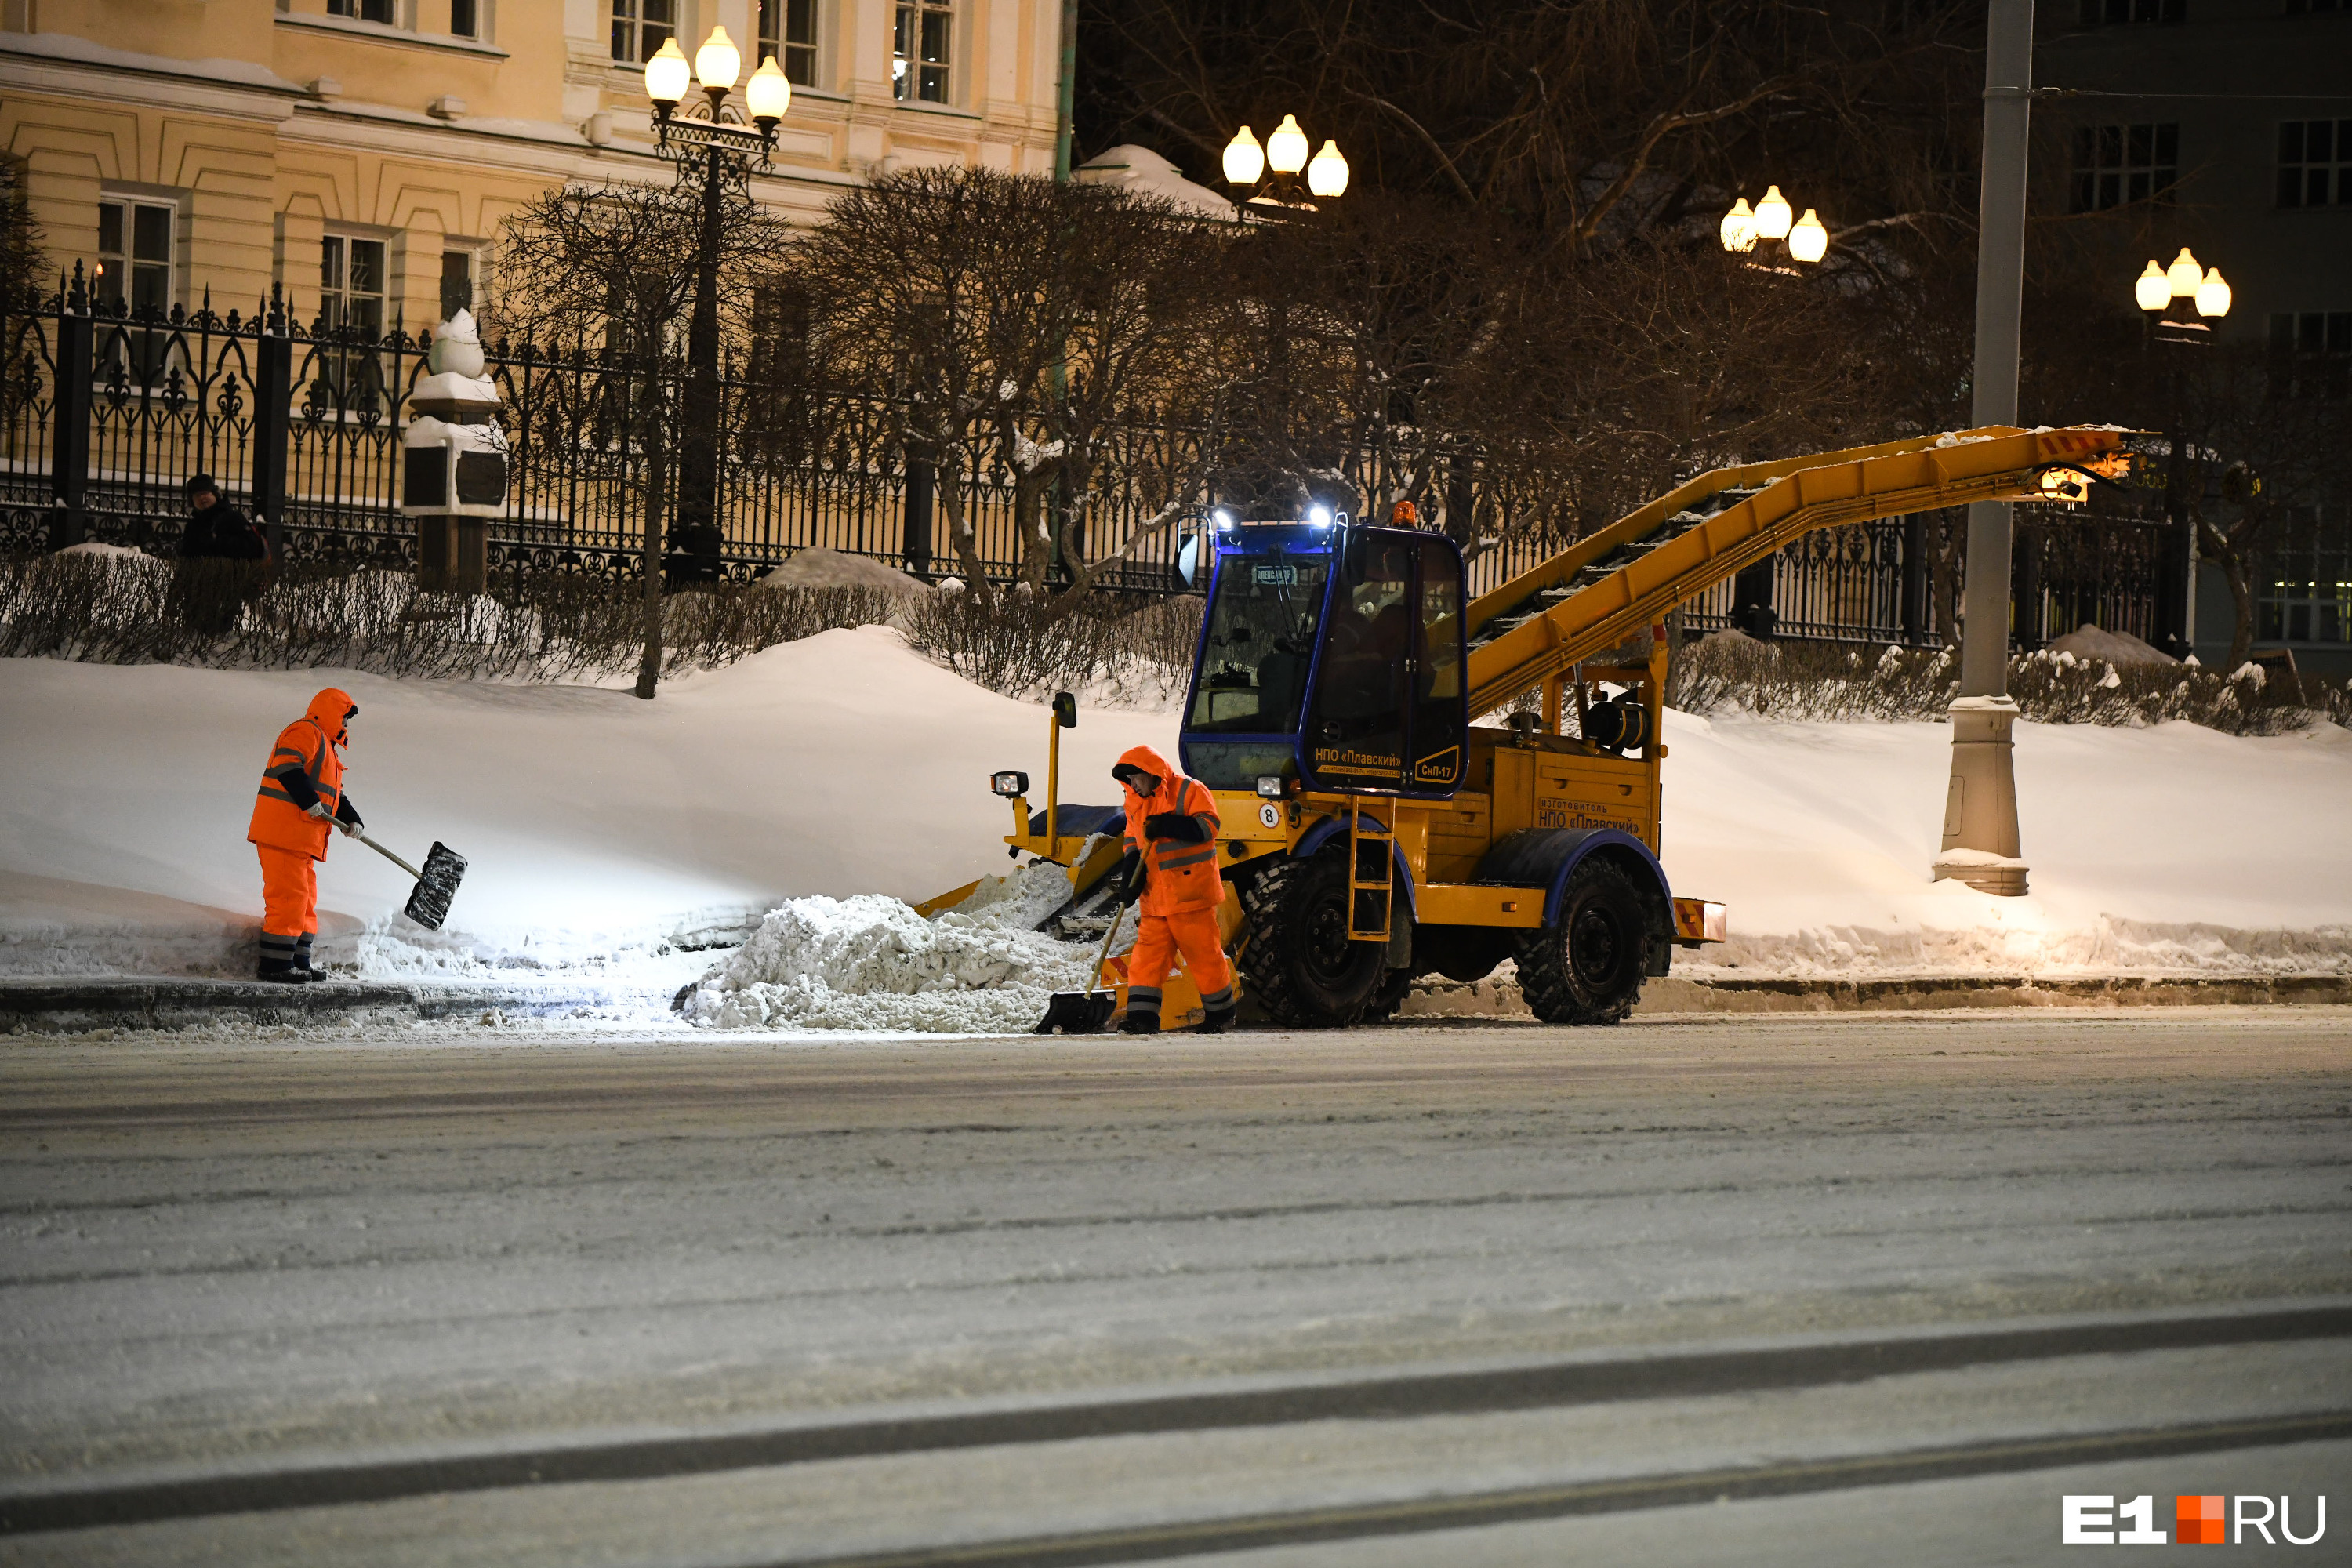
2025,615
1915,577
273,411
921,480
69,447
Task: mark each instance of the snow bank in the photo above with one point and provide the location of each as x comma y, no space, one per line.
872,962
635,842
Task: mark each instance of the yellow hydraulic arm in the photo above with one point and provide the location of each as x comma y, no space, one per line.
1609,585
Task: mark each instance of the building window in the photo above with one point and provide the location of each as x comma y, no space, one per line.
457,274
2297,8
465,19
382,11
2314,352
2107,13
2116,164
134,256
351,307
2315,164
788,32
2303,586
918,68
640,27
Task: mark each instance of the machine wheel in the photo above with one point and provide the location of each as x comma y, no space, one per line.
1588,968
1299,962
1395,985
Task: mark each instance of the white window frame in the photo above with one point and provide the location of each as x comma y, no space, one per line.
901,90
785,48
631,15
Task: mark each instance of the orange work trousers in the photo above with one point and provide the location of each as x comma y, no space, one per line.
1159,938
290,891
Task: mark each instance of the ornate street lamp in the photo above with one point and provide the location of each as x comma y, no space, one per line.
2180,299
718,153
1269,174
2177,301
1803,239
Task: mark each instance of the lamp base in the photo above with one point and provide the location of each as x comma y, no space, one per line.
1980,842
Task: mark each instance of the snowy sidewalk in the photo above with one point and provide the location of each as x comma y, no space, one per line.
632,845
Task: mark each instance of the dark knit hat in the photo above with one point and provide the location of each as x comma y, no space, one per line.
198,484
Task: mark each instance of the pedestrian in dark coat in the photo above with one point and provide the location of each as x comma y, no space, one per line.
218,530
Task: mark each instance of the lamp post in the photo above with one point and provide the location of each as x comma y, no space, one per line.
706,147
1269,176
1804,239
2178,302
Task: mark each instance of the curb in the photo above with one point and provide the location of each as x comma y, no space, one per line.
176,1003
1680,994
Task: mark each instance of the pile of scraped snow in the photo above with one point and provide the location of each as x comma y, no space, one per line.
2087,641
873,963
818,568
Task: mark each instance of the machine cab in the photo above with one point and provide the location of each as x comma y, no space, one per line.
1332,656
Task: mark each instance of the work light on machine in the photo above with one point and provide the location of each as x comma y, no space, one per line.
1271,786
1223,519
1286,150
1320,516
1328,174
1009,784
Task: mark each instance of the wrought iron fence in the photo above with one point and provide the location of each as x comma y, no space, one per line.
104,415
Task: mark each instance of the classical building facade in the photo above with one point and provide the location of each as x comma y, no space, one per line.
361,154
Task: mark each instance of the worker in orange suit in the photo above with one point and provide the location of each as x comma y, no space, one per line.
301,796
1171,852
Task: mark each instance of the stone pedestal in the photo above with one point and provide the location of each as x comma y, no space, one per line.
454,462
1980,842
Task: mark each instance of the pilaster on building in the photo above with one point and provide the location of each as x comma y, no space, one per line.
362,154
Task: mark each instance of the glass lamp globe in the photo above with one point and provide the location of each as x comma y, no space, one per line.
718,62
1245,159
2151,291
2213,295
2184,275
1809,241
1772,214
1740,228
1328,174
769,93
667,74
1286,150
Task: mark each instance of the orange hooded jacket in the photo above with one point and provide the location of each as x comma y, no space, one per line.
307,747
1183,874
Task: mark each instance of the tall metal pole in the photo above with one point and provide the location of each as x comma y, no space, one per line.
1980,839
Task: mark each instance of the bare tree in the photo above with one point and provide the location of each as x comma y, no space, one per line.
608,271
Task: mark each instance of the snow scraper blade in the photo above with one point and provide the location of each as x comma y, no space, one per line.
428,902
1085,1012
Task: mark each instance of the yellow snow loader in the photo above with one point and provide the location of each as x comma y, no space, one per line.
1374,832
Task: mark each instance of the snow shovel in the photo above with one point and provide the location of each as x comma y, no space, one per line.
1085,1012
428,902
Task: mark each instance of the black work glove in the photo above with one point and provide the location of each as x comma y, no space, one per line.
1128,874
1171,824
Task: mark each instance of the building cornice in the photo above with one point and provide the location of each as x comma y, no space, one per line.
85,71
396,38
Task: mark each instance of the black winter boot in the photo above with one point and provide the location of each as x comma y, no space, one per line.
277,954
302,957
1139,1023
1216,1020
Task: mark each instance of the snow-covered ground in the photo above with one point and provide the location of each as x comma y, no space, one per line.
624,842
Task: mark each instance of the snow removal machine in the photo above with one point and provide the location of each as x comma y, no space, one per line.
1374,832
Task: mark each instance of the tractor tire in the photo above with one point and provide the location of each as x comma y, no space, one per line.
1588,968
1396,985
1298,961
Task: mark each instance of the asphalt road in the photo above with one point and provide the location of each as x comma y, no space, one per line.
1700,1290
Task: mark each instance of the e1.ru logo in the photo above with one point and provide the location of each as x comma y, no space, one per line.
2089,1519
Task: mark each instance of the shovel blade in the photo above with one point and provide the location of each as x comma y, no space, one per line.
428,902
1078,1012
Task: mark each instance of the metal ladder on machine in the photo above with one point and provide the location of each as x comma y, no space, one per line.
1370,889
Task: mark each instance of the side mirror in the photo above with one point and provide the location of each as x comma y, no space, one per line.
1066,711
1188,560
1009,784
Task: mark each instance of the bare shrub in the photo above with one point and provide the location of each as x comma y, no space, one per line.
1818,681
128,609
1028,647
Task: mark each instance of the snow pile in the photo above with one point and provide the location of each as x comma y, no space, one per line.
818,568
2087,641
873,963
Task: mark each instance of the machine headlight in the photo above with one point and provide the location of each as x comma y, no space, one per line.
1270,785
1009,784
